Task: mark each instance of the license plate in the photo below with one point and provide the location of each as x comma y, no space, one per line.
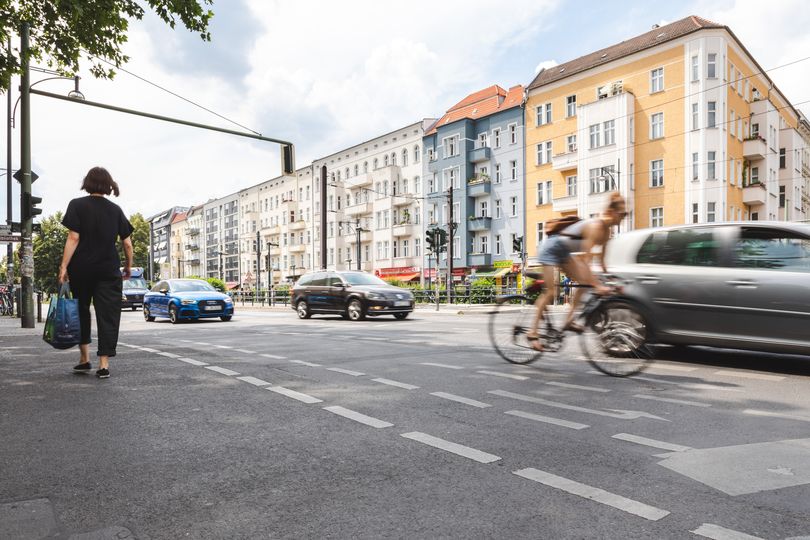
401,303
211,308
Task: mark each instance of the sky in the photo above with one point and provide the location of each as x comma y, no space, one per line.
327,75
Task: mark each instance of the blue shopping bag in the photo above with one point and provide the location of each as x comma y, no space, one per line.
62,327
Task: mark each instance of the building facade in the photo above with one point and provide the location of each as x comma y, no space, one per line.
681,120
221,220
193,243
160,253
475,153
178,237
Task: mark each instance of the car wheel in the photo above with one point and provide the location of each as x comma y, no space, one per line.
173,315
303,310
355,311
226,318
146,316
401,316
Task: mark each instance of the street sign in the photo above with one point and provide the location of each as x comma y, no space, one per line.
10,238
18,176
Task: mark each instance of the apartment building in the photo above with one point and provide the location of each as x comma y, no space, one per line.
476,151
179,232
160,226
221,221
193,243
681,120
374,205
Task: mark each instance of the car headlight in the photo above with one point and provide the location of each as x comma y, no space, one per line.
188,302
374,296
228,300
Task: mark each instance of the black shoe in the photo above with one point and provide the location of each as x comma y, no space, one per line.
103,373
84,367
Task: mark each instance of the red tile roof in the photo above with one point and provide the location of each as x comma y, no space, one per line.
180,216
480,104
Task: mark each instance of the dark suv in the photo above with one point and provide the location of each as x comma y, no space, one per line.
353,295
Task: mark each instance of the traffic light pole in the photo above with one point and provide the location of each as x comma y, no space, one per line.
9,168
450,246
27,218
258,262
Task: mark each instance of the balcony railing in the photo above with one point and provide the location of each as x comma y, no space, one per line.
480,154
193,231
562,162
297,225
755,193
479,186
755,148
479,259
479,224
403,229
359,209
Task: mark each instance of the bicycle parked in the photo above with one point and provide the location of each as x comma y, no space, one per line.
613,337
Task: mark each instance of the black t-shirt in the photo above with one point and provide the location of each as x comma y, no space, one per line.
99,222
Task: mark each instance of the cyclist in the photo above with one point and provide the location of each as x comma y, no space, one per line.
570,248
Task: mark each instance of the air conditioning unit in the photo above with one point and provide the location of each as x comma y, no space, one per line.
616,88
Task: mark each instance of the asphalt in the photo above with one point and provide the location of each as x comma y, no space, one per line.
167,448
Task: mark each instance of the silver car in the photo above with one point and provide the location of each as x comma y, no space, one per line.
733,285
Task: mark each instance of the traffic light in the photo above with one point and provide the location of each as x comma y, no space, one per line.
517,244
287,160
441,240
29,208
430,240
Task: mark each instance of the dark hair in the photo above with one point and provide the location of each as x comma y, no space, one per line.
615,201
99,180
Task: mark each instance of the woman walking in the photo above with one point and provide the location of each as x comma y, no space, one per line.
90,263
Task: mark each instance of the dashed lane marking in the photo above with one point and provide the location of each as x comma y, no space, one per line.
368,338
578,387
192,362
651,442
303,363
146,349
453,448
358,417
223,370
611,413
305,398
595,494
274,356
673,400
693,386
505,375
466,401
670,367
223,346
201,343
245,351
756,412
254,381
716,532
398,384
169,355
434,364
548,420
345,371
748,375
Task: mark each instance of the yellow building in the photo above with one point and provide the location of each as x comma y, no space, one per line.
681,120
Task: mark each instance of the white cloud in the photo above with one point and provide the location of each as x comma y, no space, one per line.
545,64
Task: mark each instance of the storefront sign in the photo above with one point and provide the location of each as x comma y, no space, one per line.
383,272
502,264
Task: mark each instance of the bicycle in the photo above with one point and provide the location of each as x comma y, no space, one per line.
613,338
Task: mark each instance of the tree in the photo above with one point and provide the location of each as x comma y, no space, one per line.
48,247
140,242
61,31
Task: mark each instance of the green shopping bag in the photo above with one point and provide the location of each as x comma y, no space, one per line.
62,327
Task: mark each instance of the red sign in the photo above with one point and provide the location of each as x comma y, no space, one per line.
456,272
382,272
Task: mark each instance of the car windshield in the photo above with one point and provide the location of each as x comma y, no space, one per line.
191,286
363,279
135,283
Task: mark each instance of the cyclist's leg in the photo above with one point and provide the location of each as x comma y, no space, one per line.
542,301
578,271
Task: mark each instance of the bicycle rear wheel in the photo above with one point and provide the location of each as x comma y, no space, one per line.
614,339
509,324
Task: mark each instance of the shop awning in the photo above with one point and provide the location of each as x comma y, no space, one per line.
403,277
502,272
486,274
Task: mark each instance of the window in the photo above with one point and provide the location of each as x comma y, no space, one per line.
601,92
417,247
602,179
543,114
570,106
394,160
404,157
610,132
773,250
695,213
711,114
710,165
754,130
385,161
431,154
544,153
571,185
483,208
782,158
657,126
657,173
632,130
513,166
694,116
485,244
513,134
710,212
482,140
695,166
497,173
416,154
695,69
451,146
657,80
571,143
731,117
513,201
755,175
496,137
543,193
497,244
781,196
497,208
683,247
593,132
711,66
656,218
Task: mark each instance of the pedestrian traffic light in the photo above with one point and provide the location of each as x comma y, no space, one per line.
517,244
29,208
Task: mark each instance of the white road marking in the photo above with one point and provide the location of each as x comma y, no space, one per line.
411,341
295,395
291,333
748,375
612,413
274,356
505,375
448,366
192,362
223,346
358,417
169,355
374,338
693,386
389,382
146,349
466,401
716,532
345,371
222,370
578,387
202,343
303,363
254,381
651,442
182,340
595,494
453,448
671,367
548,420
755,412
245,351
672,400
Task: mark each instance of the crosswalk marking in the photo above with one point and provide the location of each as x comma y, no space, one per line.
453,448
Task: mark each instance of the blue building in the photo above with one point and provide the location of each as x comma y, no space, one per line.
476,151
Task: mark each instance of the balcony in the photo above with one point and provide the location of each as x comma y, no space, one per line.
402,200
479,224
479,259
365,237
361,180
275,251
565,204
195,231
404,229
564,162
299,248
272,231
755,193
297,225
193,247
289,205
359,209
479,186
384,173
755,148
480,154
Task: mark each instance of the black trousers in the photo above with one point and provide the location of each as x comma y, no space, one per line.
105,295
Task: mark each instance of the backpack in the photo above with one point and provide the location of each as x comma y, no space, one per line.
556,226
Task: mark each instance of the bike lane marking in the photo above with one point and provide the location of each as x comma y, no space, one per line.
748,375
673,400
274,356
358,417
453,448
434,364
345,371
578,387
254,381
303,363
192,361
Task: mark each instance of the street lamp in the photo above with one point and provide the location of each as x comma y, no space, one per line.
221,268
270,270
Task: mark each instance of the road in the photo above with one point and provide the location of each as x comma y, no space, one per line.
271,427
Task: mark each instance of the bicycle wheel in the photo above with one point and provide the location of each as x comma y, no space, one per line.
509,324
614,339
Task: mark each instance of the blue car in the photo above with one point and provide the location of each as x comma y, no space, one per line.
186,299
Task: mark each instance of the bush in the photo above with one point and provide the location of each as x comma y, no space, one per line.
216,283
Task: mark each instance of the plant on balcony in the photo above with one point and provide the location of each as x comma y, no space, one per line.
406,217
756,137
478,179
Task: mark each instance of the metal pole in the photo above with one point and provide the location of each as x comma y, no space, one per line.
9,169
450,247
438,281
258,262
323,217
151,252
27,258
358,230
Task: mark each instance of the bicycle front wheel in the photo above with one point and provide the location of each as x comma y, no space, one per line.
614,339
509,324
